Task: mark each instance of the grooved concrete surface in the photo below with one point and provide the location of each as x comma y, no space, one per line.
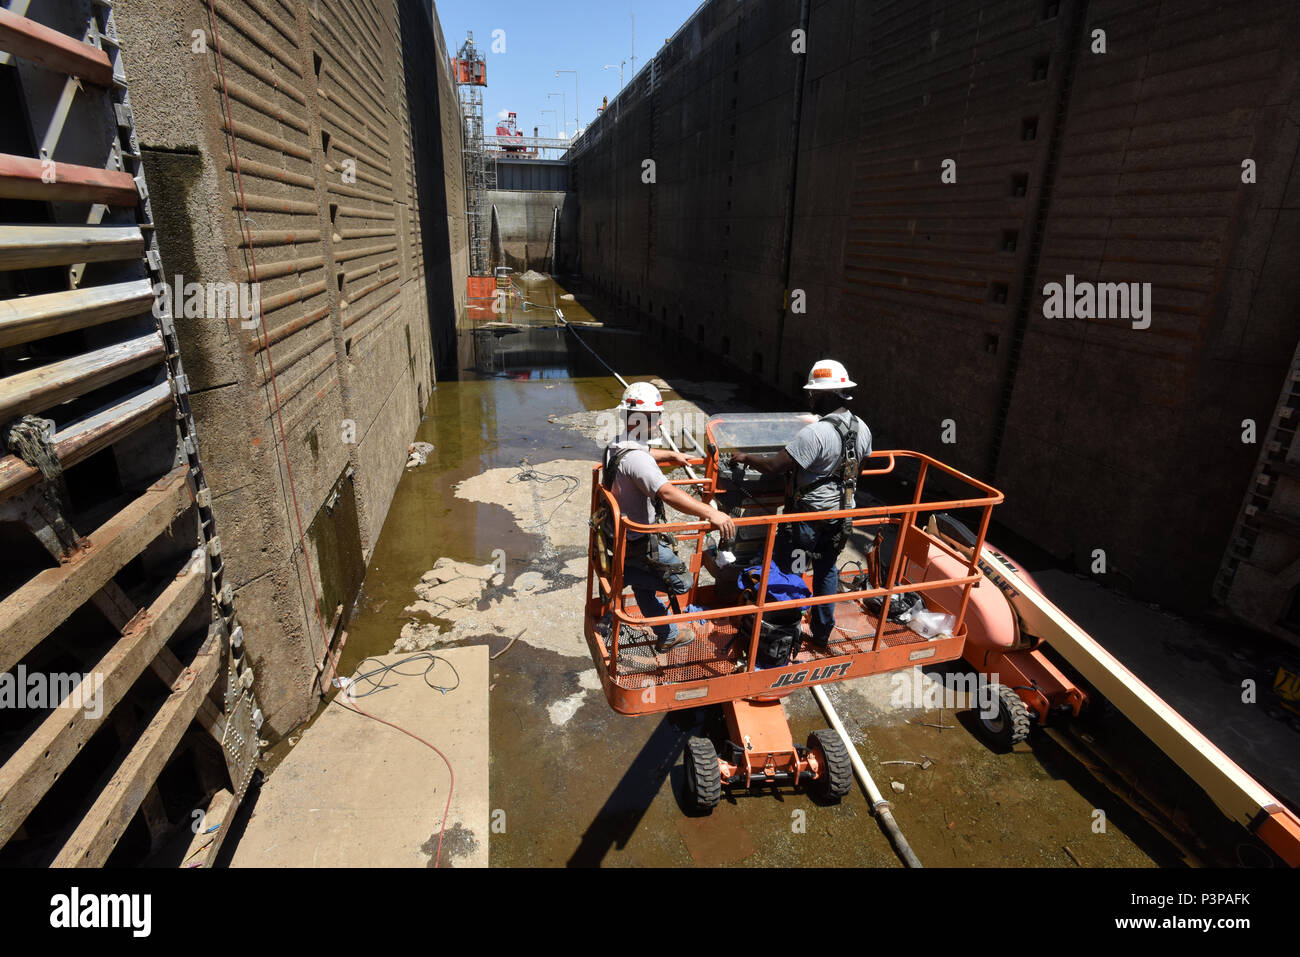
347,130
356,793
1115,166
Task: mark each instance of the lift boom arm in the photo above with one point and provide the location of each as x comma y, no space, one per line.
1236,793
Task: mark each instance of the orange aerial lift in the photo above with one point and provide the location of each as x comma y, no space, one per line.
1001,626
720,666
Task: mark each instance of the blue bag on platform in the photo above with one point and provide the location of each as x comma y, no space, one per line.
781,586
778,637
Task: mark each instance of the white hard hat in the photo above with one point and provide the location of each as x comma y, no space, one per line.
641,397
827,375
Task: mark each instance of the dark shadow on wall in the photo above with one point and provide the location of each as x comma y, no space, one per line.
424,59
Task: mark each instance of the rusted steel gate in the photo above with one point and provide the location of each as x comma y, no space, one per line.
124,703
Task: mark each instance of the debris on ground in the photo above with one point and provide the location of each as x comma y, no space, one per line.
529,581
447,569
533,276
418,453
416,637
561,711
453,591
506,648
923,765
457,591
898,786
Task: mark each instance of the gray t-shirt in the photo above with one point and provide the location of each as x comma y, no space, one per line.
816,449
638,481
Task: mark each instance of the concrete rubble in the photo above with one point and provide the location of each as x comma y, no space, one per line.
418,454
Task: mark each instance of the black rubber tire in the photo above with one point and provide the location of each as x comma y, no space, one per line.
831,753
703,775
1011,724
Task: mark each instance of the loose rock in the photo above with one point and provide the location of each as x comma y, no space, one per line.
418,454
458,591
423,608
528,582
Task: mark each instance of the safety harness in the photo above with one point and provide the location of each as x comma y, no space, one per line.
844,475
645,556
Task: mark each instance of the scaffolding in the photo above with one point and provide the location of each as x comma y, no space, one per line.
480,165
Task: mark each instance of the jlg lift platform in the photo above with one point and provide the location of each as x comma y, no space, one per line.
719,666
1002,625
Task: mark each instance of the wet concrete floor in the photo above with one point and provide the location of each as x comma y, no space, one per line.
574,783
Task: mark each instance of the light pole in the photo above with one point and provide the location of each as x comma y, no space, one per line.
564,108
577,100
552,112
610,66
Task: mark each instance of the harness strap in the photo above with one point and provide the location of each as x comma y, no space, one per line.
650,558
609,470
845,472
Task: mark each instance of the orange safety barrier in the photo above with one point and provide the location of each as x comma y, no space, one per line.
481,287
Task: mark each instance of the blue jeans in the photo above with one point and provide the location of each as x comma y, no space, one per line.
645,583
812,537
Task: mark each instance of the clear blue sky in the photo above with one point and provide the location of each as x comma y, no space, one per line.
543,36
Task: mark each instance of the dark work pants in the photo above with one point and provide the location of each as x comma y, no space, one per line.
645,583
812,538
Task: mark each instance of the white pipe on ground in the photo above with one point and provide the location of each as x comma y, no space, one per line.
879,806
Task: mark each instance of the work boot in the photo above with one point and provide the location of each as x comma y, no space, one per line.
684,636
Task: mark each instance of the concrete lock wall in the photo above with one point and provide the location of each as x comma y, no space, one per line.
344,117
525,219
1116,166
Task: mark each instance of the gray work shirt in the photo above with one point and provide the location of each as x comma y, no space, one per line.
637,483
816,449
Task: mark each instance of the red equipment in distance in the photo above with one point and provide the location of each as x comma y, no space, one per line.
510,127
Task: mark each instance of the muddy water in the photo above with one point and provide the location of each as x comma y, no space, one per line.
495,416
581,785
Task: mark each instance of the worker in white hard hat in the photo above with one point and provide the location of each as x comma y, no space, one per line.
824,460
631,472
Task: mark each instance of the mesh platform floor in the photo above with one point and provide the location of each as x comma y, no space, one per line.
717,651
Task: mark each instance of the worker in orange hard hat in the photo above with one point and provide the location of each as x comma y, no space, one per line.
824,461
631,472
